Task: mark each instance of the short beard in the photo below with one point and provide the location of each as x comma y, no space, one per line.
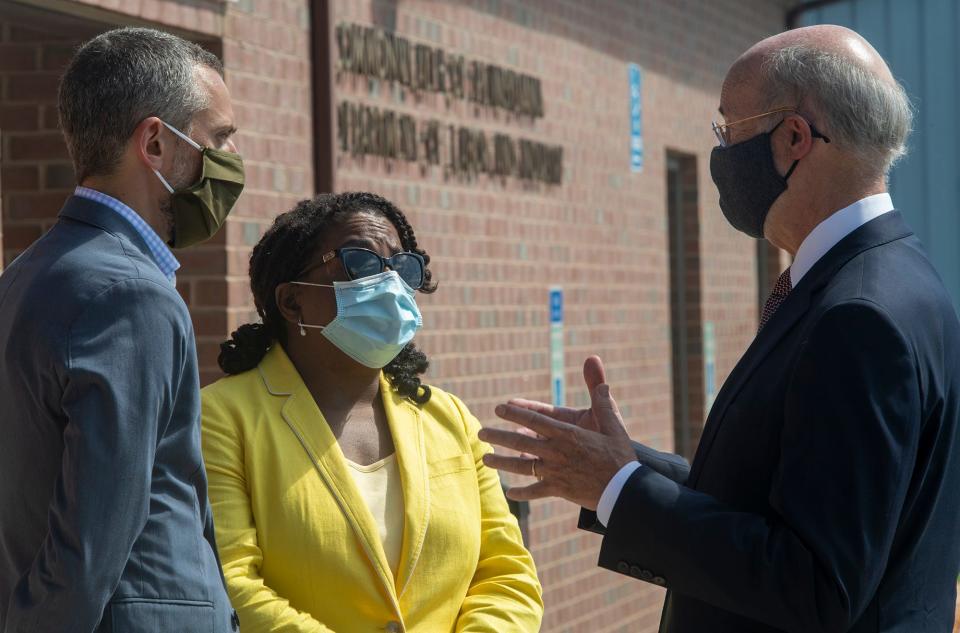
181,178
166,218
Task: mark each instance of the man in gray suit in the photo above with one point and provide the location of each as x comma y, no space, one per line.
105,523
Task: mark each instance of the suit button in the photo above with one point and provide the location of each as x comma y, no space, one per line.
394,627
647,575
660,580
623,567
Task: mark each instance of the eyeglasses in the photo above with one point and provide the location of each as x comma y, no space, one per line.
361,262
722,129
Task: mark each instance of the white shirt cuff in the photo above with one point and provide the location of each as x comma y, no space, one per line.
612,492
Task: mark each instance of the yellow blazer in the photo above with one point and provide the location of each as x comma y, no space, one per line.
301,552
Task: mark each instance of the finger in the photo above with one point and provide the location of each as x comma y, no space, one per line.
544,425
522,430
593,373
537,490
606,412
513,440
564,414
516,465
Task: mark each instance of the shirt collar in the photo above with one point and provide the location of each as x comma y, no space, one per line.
162,255
828,233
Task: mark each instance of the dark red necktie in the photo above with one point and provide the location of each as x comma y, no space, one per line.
780,291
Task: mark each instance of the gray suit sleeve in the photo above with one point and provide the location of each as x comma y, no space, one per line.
124,356
669,465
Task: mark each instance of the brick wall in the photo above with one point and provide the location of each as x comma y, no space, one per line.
197,17
266,51
602,234
35,170
265,46
497,247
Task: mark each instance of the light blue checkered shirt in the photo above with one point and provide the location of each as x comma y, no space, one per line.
161,253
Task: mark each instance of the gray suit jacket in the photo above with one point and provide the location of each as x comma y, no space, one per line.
105,522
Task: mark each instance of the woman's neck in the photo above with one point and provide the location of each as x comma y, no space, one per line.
337,387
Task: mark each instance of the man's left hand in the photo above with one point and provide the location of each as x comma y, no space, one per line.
569,461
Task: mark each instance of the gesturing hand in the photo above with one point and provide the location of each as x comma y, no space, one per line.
574,453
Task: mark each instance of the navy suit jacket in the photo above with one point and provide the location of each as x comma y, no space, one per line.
105,522
825,492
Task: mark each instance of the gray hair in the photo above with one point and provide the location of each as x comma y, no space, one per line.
863,113
118,79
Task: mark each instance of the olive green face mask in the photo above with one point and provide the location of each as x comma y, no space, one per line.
201,209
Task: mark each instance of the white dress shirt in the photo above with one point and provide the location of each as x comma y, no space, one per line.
822,238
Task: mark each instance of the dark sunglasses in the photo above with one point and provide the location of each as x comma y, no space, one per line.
361,262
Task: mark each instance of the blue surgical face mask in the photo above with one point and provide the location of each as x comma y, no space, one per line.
376,317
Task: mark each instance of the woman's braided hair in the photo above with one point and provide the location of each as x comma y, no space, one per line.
281,256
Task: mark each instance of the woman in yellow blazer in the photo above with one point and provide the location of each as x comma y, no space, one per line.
347,495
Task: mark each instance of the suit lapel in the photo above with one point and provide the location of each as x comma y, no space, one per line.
406,428
306,422
879,231
783,320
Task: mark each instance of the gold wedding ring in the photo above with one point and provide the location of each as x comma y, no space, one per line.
533,469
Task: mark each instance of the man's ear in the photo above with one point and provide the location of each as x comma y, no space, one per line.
800,139
152,146
288,302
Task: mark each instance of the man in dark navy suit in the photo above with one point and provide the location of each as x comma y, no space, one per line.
105,523
825,492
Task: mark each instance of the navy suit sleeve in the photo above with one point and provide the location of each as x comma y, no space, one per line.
669,465
848,448
124,356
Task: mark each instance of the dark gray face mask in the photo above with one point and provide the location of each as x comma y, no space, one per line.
748,181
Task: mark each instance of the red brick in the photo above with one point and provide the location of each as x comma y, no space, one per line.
18,57
57,56
19,178
20,33
209,322
208,350
44,146
210,293
33,87
209,375
16,118
33,206
209,262
51,120
19,237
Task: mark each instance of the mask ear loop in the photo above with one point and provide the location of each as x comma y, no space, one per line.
164,181
186,138
303,325
790,171
300,322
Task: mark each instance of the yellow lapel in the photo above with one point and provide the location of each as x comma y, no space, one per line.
305,420
406,428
